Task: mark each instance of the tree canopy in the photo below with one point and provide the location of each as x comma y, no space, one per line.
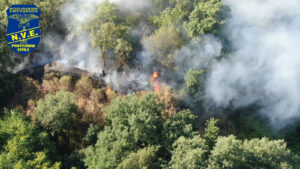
133,123
23,145
110,33
136,128
205,18
57,112
213,151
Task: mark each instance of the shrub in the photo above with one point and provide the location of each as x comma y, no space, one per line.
84,86
57,112
65,83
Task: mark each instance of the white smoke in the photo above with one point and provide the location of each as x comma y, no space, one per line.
75,50
265,65
128,81
198,55
133,6
76,12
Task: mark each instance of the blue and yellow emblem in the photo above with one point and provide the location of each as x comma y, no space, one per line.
23,30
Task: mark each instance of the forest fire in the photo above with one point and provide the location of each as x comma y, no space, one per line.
154,83
151,84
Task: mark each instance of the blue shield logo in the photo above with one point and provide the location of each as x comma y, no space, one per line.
23,31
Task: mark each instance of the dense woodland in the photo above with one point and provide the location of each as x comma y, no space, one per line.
60,120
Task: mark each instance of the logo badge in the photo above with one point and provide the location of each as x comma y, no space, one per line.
23,30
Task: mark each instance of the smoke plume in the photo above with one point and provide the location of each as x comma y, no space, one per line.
264,67
199,55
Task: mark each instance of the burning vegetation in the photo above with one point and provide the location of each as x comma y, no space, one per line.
154,83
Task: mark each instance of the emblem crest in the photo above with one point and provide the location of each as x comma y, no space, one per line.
23,30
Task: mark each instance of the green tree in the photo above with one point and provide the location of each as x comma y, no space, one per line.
123,50
193,83
134,123
143,158
160,5
170,17
176,14
163,43
214,152
230,152
182,124
227,153
5,60
7,83
211,132
205,18
91,134
23,145
189,153
57,113
110,34
7,79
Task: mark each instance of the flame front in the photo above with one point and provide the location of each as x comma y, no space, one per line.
154,82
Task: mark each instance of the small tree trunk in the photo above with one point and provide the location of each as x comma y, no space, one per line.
104,63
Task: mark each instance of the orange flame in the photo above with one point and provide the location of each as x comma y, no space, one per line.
156,87
154,81
155,75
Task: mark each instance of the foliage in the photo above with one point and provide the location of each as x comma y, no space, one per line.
23,145
50,83
110,33
91,135
65,83
292,138
176,14
57,112
7,80
5,61
90,98
162,45
189,153
84,86
193,83
133,123
26,89
181,124
196,17
143,158
170,17
74,161
229,152
256,153
50,16
253,126
7,83
161,5
205,18
211,132
99,95
167,96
